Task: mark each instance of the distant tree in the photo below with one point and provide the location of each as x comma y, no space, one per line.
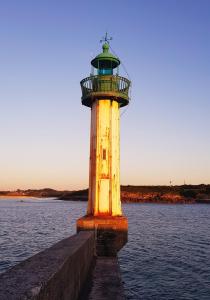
207,190
188,193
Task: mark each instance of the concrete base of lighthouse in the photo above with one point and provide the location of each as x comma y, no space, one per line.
111,233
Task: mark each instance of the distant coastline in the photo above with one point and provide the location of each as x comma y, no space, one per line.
14,197
183,194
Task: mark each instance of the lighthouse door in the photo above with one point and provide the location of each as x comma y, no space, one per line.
104,196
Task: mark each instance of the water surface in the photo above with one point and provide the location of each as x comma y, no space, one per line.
167,256
168,253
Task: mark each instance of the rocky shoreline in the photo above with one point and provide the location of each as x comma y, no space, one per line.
184,194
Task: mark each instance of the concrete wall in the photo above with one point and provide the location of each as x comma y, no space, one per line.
56,273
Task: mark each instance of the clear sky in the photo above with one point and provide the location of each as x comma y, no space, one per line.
45,50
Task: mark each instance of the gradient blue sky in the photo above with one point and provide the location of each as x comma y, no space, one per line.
46,48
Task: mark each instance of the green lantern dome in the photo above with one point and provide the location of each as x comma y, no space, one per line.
105,84
105,60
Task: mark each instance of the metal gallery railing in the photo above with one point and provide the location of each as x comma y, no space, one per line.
99,83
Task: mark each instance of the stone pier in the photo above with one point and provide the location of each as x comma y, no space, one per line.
69,270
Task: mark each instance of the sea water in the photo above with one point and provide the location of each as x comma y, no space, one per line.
167,255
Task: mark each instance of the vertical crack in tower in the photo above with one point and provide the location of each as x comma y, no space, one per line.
105,93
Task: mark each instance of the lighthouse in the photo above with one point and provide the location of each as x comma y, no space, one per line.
105,92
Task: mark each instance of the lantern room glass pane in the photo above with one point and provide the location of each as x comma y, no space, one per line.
105,71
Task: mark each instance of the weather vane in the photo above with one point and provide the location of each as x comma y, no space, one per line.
106,39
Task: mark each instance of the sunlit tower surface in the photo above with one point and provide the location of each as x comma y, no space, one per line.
105,92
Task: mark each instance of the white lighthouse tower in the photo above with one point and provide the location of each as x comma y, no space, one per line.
105,93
